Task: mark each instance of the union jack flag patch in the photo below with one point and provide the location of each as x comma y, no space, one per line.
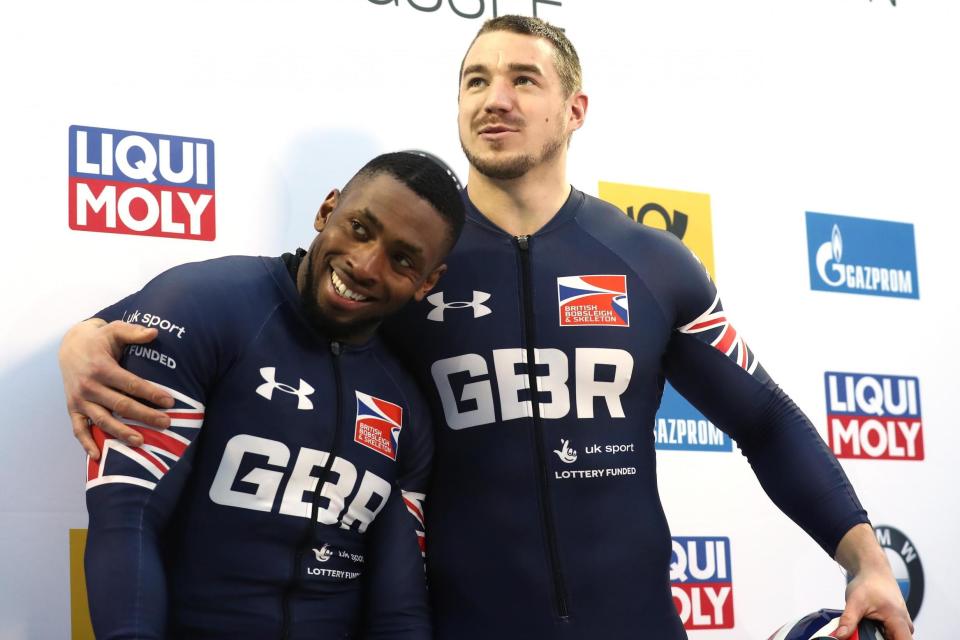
414,502
145,465
713,327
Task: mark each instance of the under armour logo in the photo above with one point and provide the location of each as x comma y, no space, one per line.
266,389
440,306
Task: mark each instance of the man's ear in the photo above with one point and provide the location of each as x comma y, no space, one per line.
326,208
429,282
578,110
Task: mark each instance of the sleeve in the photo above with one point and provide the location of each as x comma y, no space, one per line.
395,601
132,491
117,310
710,364
416,462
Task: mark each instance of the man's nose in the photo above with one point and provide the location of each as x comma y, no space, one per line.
500,95
366,263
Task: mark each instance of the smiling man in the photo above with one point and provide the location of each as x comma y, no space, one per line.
272,507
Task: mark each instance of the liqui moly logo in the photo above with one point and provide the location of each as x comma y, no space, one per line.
874,416
701,582
144,184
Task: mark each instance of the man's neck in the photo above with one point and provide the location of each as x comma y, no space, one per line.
521,206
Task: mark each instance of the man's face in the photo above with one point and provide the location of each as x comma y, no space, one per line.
513,112
379,245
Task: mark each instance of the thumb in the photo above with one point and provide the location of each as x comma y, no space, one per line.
123,333
851,616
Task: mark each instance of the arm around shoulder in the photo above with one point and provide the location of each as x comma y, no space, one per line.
95,385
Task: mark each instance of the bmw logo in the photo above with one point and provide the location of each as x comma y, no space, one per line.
906,565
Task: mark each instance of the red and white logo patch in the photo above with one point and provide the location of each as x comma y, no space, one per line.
593,301
378,424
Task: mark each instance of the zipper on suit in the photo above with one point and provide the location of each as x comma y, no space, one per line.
546,503
309,538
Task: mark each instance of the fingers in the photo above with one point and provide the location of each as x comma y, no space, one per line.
898,629
895,621
851,616
107,375
111,425
96,386
81,431
123,333
131,409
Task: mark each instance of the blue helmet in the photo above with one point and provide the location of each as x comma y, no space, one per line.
821,624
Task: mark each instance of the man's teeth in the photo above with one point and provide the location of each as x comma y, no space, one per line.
343,290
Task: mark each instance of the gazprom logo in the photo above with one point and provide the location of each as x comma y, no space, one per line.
680,427
859,255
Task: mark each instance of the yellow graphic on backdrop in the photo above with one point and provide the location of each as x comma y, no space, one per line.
80,627
685,214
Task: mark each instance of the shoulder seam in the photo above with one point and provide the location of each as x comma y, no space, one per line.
663,314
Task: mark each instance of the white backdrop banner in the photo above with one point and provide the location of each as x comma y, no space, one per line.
807,151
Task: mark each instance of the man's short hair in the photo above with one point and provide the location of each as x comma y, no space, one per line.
565,59
425,176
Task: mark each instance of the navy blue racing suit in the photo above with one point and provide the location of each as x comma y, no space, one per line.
272,507
545,518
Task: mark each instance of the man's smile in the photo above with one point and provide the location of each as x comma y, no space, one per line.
343,290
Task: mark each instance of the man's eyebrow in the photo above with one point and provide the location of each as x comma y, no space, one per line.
516,67
474,68
371,218
409,248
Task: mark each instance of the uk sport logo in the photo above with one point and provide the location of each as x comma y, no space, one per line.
137,183
153,321
701,582
860,255
593,301
378,424
874,416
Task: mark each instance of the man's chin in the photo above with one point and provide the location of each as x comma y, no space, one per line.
501,166
336,329
509,169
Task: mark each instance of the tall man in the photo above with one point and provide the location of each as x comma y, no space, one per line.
529,540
